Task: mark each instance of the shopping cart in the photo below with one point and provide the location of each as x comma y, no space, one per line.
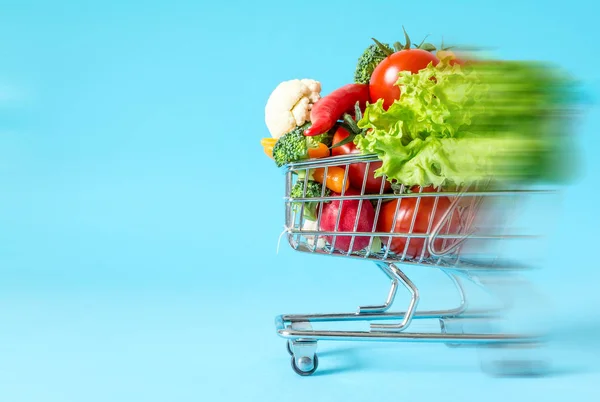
470,216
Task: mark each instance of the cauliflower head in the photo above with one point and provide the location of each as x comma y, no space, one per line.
290,104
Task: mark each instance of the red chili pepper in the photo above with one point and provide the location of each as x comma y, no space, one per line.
329,109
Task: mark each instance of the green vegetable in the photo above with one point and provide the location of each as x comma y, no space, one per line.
294,146
367,62
325,138
313,189
455,125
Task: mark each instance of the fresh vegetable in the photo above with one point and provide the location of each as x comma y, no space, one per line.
334,180
309,225
451,56
268,144
321,151
348,148
436,121
348,213
295,146
455,126
382,84
367,62
357,171
289,105
422,214
329,109
314,189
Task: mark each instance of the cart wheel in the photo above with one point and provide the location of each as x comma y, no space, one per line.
288,345
513,362
515,368
305,366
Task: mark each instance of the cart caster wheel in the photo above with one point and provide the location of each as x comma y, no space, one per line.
305,366
288,345
515,368
513,362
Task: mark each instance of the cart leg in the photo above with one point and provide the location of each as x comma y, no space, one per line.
385,268
520,305
452,324
401,277
381,312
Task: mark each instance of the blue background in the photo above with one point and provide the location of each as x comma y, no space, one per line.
139,217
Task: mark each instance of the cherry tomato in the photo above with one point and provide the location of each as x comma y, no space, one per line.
404,218
384,77
356,171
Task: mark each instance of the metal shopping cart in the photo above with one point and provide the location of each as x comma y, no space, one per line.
468,216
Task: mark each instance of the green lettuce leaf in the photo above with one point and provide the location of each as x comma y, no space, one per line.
455,125
444,161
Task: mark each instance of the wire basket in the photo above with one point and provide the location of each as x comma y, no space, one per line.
430,226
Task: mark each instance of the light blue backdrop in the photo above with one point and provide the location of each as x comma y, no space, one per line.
139,217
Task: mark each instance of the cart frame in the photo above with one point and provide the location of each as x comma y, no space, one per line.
386,325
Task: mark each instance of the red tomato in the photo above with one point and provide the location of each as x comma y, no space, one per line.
404,218
348,148
356,171
385,74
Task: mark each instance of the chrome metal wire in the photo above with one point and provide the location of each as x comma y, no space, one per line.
439,246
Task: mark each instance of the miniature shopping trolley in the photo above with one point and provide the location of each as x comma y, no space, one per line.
444,245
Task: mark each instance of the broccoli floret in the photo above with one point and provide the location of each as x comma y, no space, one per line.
293,146
313,189
325,138
367,62
290,147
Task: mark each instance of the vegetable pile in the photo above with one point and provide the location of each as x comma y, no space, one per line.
435,121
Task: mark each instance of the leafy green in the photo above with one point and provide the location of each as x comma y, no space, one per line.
367,62
455,125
